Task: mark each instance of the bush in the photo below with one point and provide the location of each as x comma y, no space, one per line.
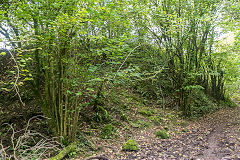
162,134
228,103
200,104
147,113
130,145
140,124
107,131
156,119
101,115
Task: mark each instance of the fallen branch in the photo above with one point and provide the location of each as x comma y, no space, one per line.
64,152
20,144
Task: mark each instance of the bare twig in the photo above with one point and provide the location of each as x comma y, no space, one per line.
29,144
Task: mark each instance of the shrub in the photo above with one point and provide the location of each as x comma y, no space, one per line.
140,124
162,134
130,145
200,104
107,131
228,103
101,115
147,113
156,119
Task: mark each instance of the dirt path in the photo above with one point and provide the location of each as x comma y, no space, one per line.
213,140
213,137
223,141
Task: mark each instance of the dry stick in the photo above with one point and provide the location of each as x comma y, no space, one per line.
22,140
12,141
3,150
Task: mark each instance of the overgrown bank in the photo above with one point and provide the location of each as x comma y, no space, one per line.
105,124
85,64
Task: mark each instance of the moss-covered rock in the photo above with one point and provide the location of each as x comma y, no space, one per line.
162,134
130,145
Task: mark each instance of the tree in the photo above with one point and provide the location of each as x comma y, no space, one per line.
62,43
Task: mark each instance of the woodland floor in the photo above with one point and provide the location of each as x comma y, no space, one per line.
215,136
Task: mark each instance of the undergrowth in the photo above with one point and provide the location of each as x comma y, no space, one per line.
122,111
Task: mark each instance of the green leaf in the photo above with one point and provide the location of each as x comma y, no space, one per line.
22,60
69,92
90,89
78,93
6,89
3,53
27,79
97,80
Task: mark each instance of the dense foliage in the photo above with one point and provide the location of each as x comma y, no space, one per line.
68,50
